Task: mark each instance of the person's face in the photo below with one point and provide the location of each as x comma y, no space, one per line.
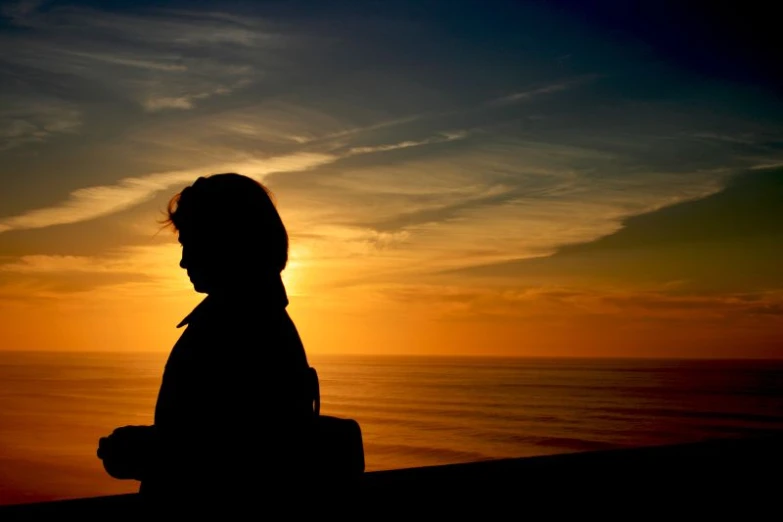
200,258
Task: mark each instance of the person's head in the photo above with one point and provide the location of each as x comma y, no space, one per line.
230,231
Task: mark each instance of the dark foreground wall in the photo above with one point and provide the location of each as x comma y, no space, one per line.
740,479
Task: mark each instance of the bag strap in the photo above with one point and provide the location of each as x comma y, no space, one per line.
316,392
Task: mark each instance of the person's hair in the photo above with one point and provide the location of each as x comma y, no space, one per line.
236,208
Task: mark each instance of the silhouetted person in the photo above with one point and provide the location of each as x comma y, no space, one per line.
236,397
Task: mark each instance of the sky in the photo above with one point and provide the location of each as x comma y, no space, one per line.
559,179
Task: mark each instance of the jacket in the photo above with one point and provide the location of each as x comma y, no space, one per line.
235,400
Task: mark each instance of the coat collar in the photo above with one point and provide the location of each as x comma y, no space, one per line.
265,294
197,311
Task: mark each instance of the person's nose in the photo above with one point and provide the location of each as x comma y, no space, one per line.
183,261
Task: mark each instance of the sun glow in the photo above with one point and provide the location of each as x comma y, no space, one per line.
291,279
293,273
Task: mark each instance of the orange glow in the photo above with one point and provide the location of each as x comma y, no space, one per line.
403,319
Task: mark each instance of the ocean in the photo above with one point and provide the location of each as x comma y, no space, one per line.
414,411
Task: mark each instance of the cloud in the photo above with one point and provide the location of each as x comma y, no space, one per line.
517,188
442,138
486,203
37,264
433,118
767,166
726,241
274,126
92,202
36,121
547,89
155,104
131,61
163,59
366,128
140,270
471,303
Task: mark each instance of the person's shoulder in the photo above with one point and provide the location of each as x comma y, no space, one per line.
197,313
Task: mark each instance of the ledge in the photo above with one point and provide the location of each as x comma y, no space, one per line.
705,477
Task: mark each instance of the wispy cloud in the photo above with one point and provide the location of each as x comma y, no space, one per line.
441,138
544,302
433,118
766,165
137,270
364,129
540,91
162,63
36,121
160,60
274,126
36,264
526,95
155,104
158,104
92,202
482,203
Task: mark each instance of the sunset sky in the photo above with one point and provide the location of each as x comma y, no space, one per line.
457,178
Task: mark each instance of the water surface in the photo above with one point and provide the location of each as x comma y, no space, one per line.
413,411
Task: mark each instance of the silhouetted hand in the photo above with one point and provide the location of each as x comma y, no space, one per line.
126,452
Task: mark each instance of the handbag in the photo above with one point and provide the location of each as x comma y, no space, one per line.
337,448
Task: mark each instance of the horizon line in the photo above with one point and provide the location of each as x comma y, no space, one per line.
420,355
